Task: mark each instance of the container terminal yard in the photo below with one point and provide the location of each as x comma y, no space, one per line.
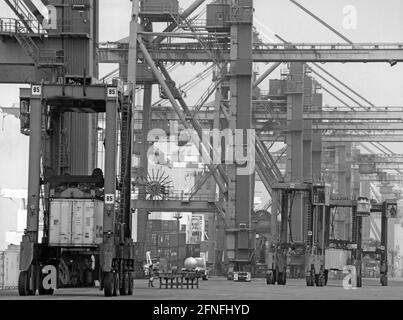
200,150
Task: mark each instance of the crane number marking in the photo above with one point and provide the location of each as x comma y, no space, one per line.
109,199
112,92
36,90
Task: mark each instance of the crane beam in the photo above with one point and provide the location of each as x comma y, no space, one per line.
341,120
113,52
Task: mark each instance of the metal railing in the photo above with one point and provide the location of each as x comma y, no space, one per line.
183,196
8,287
358,108
328,46
216,46
19,29
296,46
16,26
51,57
195,46
23,12
162,9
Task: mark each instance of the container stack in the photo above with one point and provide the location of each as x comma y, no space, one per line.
162,242
193,250
9,267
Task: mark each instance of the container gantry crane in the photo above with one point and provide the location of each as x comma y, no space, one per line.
60,111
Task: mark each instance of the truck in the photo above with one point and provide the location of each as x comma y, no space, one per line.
239,276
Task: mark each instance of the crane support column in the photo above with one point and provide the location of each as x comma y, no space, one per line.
343,217
241,173
295,154
357,240
316,156
384,245
317,102
142,215
34,168
29,244
107,248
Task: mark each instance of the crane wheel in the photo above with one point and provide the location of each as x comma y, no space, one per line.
309,281
384,280
269,278
317,276
23,284
116,284
326,276
130,286
281,278
108,284
359,282
321,280
284,277
124,289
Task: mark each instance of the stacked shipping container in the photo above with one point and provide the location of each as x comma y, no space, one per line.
193,250
162,242
9,267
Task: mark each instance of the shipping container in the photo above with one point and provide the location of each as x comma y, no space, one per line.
9,267
159,6
193,250
167,239
155,225
1,269
277,87
336,259
174,241
204,246
75,222
218,15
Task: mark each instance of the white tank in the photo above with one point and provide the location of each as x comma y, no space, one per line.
191,263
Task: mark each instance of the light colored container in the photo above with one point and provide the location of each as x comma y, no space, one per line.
60,222
87,222
1,269
336,259
190,263
75,222
9,267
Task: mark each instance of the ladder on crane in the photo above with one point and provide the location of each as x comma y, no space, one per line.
29,46
125,167
28,25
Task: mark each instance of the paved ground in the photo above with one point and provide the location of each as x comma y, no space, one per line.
221,289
